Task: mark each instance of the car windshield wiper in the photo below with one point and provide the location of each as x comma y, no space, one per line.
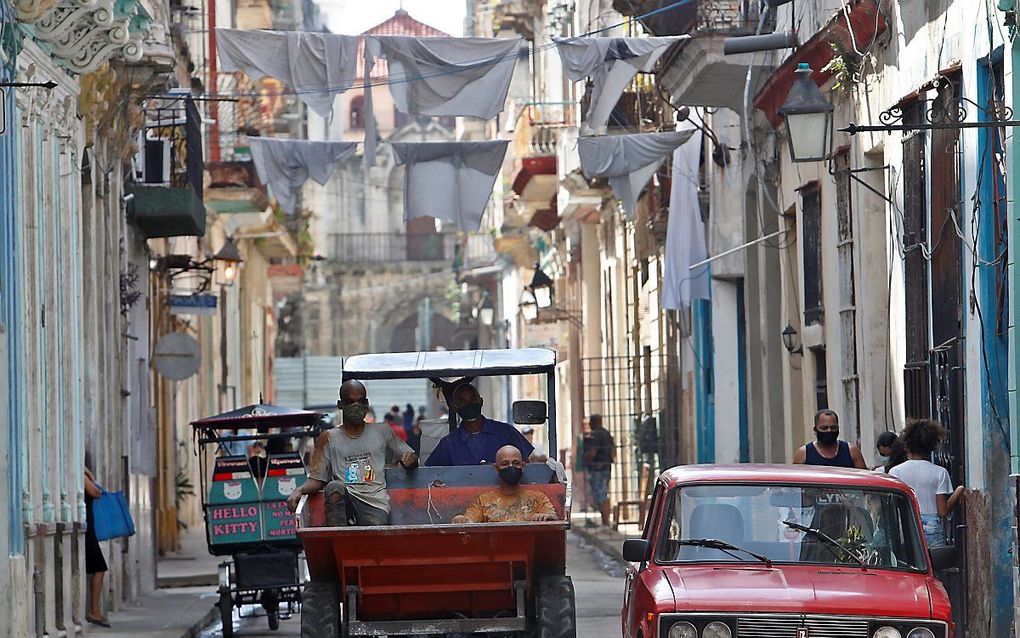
829,541
729,548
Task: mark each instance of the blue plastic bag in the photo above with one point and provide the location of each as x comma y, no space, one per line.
111,516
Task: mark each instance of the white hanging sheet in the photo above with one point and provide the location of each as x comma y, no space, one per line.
285,165
451,181
466,77
318,66
685,232
611,63
629,161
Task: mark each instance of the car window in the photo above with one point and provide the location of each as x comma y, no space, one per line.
851,525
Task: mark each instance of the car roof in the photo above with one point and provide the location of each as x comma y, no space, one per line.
762,473
449,363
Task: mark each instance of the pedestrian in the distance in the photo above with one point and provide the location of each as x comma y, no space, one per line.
95,562
931,483
828,449
599,456
408,419
884,444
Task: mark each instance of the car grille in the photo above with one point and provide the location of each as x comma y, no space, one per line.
786,627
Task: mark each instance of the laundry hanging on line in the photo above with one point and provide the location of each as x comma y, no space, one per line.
436,76
629,161
611,63
317,65
285,165
685,231
451,181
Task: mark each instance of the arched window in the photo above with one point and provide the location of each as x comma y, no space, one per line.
357,113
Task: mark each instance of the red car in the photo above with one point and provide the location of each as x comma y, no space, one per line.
783,551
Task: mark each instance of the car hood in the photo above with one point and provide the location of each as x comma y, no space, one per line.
800,589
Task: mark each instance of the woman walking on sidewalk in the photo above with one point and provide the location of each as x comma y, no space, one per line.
95,563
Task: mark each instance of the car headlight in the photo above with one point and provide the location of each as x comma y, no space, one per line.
887,632
716,629
683,629
921,632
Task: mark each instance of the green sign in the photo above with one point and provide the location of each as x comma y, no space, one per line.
240,523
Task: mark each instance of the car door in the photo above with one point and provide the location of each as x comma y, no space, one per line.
636,596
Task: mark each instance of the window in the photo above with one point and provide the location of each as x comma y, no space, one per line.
811,214
875,526
821,379
357,112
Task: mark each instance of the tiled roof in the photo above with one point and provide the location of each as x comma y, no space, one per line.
401,23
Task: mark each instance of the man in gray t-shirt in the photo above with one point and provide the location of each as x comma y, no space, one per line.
349,462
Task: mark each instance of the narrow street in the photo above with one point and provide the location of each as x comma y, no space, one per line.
598,585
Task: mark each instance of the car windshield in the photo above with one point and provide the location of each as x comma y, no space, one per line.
791,524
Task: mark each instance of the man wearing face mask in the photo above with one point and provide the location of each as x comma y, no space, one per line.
829,450
509,502
349,462
477,439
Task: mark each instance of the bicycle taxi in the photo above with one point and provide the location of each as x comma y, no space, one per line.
250,461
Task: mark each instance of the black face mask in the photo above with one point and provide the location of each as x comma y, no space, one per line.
827,438
511,475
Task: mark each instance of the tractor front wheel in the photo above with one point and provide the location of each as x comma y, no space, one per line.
555,610
320,611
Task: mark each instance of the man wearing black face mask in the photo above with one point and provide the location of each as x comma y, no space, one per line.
477,439
349,462
509,502
829,450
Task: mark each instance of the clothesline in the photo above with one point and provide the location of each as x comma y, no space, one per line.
397,79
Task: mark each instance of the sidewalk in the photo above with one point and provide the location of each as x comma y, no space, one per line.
606,539
183,604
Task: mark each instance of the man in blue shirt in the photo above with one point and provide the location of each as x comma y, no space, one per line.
477,439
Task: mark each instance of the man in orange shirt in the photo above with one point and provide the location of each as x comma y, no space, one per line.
509,502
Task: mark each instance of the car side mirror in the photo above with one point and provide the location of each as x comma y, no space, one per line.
942,557
529,412
636,550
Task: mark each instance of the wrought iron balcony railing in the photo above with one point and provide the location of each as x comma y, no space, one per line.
353,248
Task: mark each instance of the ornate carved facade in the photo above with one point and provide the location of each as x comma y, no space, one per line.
83,34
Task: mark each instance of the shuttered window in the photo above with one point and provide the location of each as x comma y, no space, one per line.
811,224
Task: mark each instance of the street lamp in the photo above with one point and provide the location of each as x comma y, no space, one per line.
808,119
541,287
790,340
229,257
529,307
486,311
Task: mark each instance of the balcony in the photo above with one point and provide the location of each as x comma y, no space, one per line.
516,15
234,187
383,248
696,73
167,191
639,108
538,131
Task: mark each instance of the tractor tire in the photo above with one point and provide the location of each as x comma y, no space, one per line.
320,611
555,610
226,605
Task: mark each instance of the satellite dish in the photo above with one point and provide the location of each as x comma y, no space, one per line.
177,356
